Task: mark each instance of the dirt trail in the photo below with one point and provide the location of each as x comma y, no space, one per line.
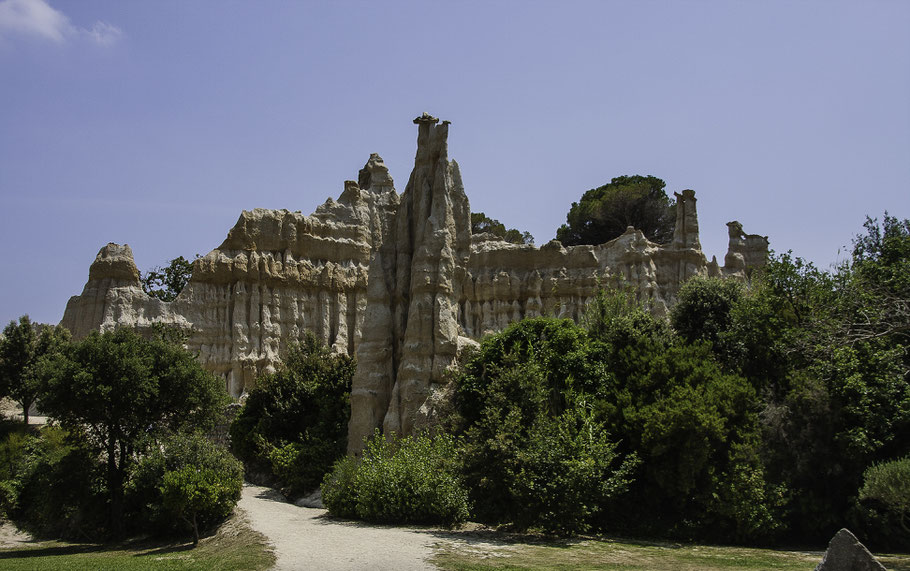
306,538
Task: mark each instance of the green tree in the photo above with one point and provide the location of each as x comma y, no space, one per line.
534,454
703,308
188,477
293,425
121,390
166,283
604,213
889,483
828,351
481,223
25,348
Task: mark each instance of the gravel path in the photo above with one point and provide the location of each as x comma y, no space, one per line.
306,538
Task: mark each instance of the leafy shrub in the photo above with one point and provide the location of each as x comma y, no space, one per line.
192,493
888,484
293,425
59,490
186,477
407,480
534,455
566,474
703,308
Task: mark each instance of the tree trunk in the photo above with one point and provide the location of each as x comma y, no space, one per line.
25,406
195,531
115,486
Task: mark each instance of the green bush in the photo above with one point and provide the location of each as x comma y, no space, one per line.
293,425
888,484
186,481
192,493
408,480
565,473
59,490
534,455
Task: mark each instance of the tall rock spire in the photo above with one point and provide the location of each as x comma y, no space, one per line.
685,235
410,331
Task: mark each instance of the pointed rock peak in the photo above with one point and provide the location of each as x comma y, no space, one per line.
115,262
846,553
351,193
374,173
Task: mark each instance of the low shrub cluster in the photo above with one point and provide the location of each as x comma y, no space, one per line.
185,482
54,484
124,456
399,480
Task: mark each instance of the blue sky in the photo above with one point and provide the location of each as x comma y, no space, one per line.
156,123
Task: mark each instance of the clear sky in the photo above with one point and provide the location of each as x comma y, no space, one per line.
156,123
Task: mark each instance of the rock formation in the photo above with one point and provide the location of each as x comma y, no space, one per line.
846,553
277,274
398,281
410,335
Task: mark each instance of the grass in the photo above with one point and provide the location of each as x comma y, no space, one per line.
471,555
235,546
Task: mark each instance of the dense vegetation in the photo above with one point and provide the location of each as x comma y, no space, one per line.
26,351
604,213
777,411
119,401
293,425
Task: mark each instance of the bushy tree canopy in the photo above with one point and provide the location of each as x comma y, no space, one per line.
604,213
481,223
121,389
166,283
26,349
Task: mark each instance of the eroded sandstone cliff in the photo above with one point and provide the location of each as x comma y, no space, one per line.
277,274
398,281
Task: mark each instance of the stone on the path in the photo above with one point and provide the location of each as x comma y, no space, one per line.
846,553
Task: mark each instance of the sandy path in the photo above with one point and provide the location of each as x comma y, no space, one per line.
305,538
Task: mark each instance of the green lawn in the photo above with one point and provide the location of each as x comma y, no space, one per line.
235,546
580,555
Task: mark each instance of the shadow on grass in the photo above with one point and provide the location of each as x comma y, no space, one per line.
56,550
167,549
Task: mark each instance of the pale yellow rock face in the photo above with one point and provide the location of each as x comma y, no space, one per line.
397,281
277,274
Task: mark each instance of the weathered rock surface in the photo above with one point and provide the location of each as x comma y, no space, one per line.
277,274
399,281
846,553
410,336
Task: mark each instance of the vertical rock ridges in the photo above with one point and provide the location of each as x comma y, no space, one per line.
277,274
744,252
398,281
410,335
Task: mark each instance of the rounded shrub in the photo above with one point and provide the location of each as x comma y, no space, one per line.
406,480
186,482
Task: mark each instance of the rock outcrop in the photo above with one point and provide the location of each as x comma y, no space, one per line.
846,553
277,274
398,281
410,336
